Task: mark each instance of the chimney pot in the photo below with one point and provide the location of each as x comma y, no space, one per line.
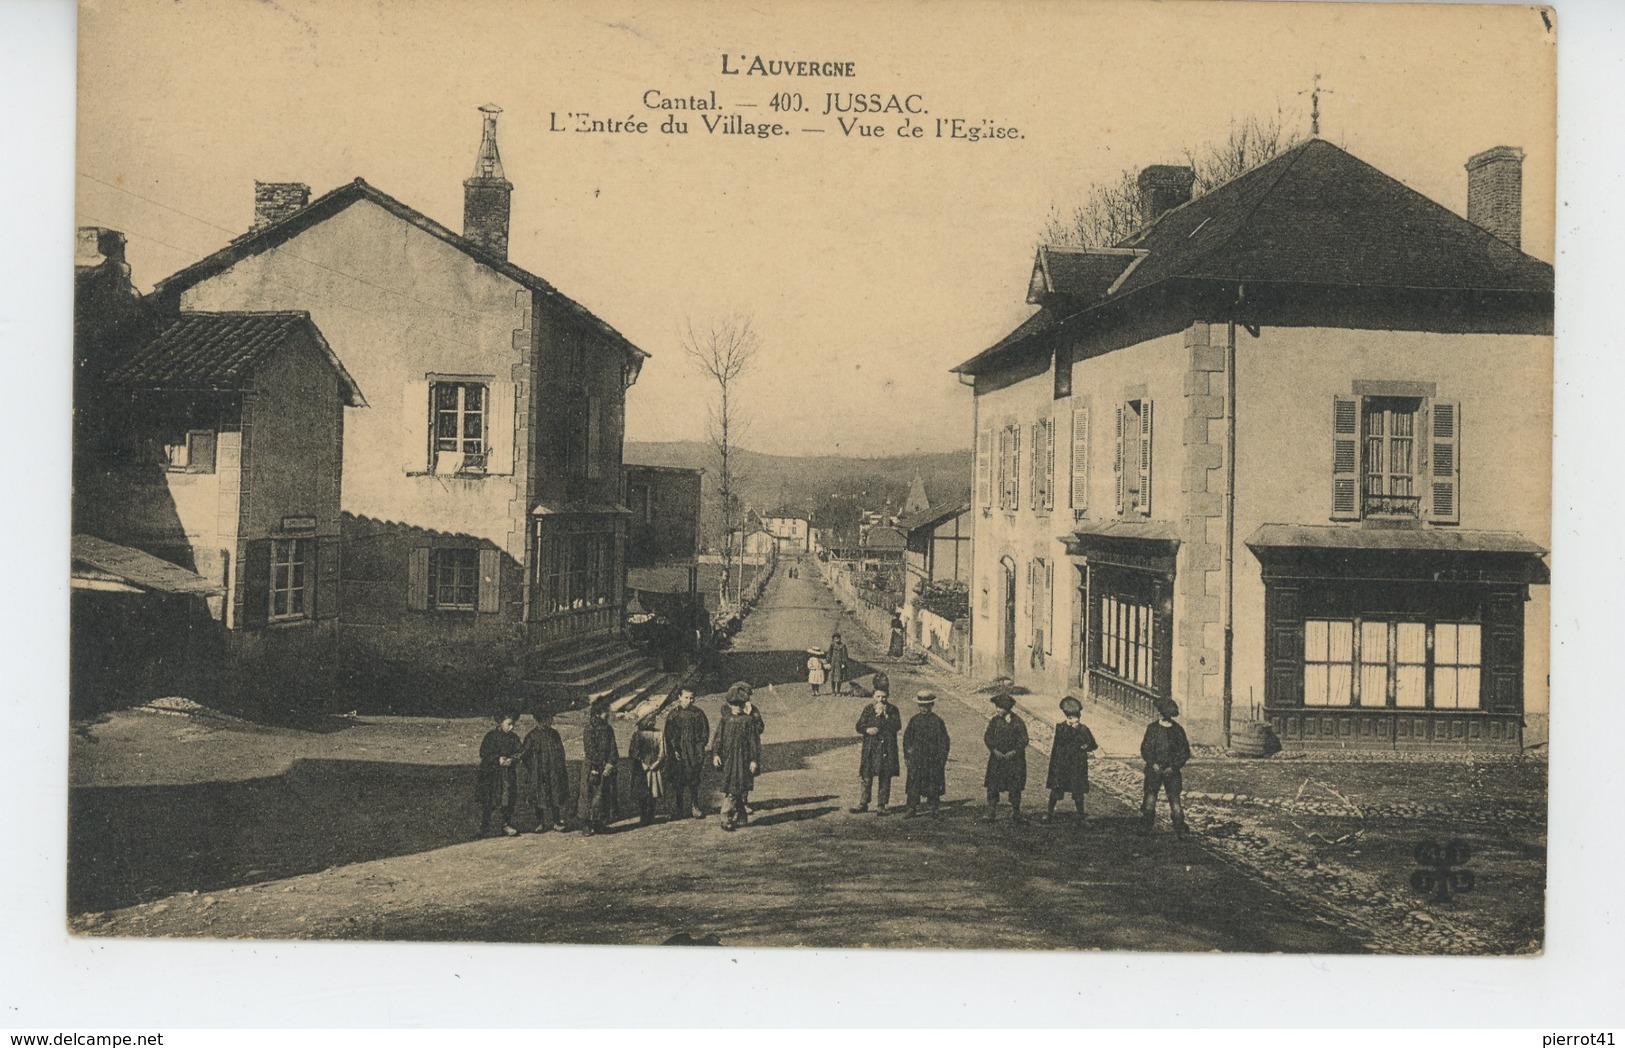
1163,187
274,201
486,195
1495,193
96,245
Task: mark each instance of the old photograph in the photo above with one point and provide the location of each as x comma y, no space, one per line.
970,476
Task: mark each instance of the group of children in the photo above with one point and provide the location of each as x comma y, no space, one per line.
670,760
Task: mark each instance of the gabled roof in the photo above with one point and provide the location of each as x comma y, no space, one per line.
221,351
330,204
1313,217
883,537
1081,272
931,518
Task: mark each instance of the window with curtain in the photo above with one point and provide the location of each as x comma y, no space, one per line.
1404,664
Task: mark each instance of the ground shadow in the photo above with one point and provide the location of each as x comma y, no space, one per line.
761,668
793,815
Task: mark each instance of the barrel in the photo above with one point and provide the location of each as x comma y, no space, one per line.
1250,739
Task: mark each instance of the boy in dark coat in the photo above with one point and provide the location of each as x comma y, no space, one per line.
600,753
925,748
546,774
688,736
837,663
878,725
736,751
1069,759
1165,749
495,786
1006,741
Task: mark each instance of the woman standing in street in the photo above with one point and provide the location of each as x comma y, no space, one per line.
736,751
837,663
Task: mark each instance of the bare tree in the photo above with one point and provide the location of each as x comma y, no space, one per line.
724,353
1110,211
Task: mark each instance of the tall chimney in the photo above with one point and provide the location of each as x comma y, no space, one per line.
1495,193
485,196
1163,187
274,201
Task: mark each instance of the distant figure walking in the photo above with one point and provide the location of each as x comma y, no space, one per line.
597,803
647,754
737,753
897,636
837,663
546,774
815,669
496,785
688,737
1006,741
1165,750
1069,760
878,725
925,748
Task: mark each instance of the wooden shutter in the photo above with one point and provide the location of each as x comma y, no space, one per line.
417,579
595,436
1015,467
1145,458
1080,457
415,427
256,587
1049,463
1345,458
1049,606
324,596
1444,462
1117,460
499,427
1035,473
984,469
1004,466
490,580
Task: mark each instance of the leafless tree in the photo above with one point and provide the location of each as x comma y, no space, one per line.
724,353
1110,211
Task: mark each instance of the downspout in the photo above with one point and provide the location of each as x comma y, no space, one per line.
975,507
1230,515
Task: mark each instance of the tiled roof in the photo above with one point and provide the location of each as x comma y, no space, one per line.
98,560
930,518
1313,217
221,351
330,204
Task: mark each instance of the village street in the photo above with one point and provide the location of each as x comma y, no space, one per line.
392,854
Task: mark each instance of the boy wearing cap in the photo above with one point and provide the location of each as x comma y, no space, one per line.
495,787
597,802
1069,759
1006,741
688,736
925,748
1165,749
878,725
736,751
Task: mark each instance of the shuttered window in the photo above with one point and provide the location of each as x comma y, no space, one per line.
453,579
1134,458
1043,464
984,469
1396,457
1080,457
1345,458
1010,468
1444,469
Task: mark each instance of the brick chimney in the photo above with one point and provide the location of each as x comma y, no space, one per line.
1495,193
1163,187
274,201
485,196
95,245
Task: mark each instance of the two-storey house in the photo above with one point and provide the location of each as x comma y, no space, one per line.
1283,454
481,515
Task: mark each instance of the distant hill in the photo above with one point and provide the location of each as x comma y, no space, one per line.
808,484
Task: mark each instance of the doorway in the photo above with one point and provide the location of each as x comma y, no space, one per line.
1007,649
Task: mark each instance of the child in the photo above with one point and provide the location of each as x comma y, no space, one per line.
647,752
1165,750
494,788
1069,760
815,669
925,748
542,758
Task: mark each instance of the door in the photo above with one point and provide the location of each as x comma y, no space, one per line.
1007,650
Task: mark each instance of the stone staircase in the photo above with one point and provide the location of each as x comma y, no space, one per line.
580,672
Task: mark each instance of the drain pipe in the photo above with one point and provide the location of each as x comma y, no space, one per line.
1230,515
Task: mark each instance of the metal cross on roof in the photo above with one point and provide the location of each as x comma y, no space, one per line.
1314,106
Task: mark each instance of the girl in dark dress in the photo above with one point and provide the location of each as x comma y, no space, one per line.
545,773
496,784
1069,759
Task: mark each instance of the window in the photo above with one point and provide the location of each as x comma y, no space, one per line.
1394,457
584,441
1010,468
577,571
454,579
1043,464
984,469
193,453
1080,457
290,579
1133,464
1404,664
1041,607
1127,639
458,424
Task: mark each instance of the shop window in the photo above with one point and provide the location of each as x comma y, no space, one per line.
1403,664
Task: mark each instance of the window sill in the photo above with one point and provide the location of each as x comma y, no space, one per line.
291,622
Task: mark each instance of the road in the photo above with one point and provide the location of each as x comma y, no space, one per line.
804,872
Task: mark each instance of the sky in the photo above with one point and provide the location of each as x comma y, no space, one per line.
868,266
